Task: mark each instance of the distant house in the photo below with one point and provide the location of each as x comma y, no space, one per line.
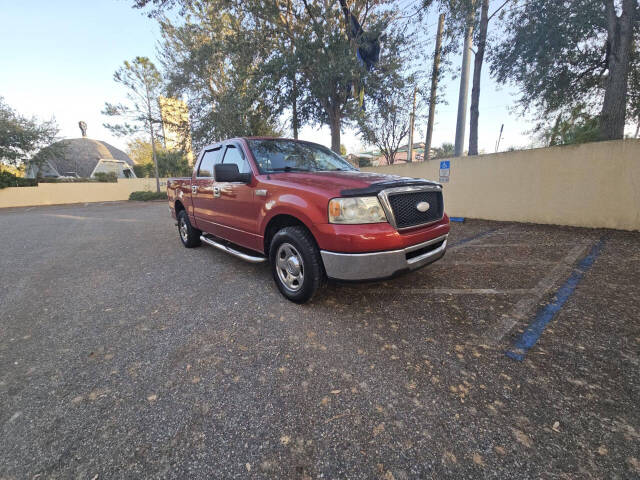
378,159
80,157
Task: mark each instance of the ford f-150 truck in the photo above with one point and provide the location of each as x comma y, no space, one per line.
308,212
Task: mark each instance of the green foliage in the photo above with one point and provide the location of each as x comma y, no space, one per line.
446,150
243,63
20,136
143,170
144,196
106,177
140,151
364,162
8,179
557,55
576,127
170,164
386,123
173,164
141,113
214,59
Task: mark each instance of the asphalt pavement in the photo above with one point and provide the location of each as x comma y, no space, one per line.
125,355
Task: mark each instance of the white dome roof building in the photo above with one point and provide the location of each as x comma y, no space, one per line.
80,157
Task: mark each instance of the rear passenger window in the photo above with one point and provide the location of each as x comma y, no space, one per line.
209,159
234,155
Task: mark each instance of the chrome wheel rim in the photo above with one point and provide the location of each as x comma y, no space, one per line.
184,229
290,267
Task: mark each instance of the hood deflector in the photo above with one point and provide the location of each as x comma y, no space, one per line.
377,187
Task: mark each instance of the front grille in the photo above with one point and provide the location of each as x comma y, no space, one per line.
404,206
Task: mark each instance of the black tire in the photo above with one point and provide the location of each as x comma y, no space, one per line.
189,236
298,242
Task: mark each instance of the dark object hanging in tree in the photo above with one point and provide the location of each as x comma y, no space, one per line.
367,43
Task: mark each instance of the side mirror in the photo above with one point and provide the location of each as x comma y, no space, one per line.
229,173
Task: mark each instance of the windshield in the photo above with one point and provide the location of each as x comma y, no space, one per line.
291,156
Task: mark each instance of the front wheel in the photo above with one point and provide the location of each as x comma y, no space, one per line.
189,236
296,264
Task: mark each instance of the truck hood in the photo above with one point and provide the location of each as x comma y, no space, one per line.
345,184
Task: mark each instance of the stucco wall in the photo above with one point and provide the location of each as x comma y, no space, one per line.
60,193
589,185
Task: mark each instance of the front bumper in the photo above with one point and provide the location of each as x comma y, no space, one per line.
379,265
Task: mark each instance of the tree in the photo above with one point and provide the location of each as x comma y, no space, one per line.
576,127
562,54
446,150
140,151
212,60
386,123
144,86
263,57
461,16
21,137
633,105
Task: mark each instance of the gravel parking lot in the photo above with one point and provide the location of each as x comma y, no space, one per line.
124,355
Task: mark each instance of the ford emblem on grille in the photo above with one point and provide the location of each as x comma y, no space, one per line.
423,206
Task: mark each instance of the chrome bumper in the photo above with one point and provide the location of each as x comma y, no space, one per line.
378,265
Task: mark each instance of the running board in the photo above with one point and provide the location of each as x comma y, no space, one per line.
235,253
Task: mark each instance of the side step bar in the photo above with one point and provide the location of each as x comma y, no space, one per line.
235,253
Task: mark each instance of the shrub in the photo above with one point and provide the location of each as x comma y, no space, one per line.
106,177
148,196
8,179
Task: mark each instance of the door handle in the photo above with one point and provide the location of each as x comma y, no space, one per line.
216,191
194,189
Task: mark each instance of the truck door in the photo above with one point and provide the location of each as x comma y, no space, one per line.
236,211
202,190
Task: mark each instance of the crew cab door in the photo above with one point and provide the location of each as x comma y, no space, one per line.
236,210
202,185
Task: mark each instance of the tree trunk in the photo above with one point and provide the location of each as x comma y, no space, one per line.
155,159
619,41
294,107
334,124
434,88
477,71
153,140
461,121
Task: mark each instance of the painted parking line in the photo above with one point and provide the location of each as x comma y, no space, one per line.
523,308
531,335
473,238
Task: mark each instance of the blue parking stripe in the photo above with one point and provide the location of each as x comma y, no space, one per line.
475,237
546,313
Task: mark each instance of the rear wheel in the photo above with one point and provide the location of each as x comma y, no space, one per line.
296,264
189,236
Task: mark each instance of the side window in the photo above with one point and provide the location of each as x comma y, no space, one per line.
208,161
234,155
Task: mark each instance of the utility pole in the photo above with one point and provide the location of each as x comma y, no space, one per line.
464,84
411,122
499,138
434,88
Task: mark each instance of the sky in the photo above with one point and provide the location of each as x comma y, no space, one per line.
58,58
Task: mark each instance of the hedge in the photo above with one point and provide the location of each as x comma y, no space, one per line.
8,179
148,196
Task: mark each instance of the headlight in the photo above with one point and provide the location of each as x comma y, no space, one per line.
356,210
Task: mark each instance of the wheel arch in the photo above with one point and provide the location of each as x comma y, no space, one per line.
280,221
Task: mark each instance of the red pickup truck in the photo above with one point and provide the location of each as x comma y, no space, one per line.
309,212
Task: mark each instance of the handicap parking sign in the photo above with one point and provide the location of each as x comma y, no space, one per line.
445,168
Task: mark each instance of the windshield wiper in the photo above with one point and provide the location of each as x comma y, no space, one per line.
290,169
